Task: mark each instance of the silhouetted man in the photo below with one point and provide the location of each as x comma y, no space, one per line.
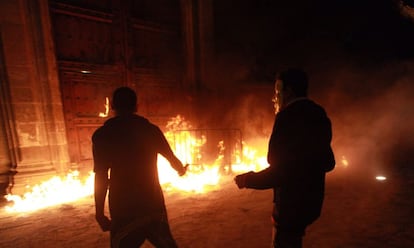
299,155
125,153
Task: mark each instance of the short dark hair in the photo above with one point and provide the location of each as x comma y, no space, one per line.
124,99
296,79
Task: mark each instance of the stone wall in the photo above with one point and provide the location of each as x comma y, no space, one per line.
36,126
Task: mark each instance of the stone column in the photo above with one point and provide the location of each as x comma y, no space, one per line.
191,77
198,40
35,99
206,40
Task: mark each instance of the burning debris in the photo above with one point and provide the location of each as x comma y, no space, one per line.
214,156
192,146
52,192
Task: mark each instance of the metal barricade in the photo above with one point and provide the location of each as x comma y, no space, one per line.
209,147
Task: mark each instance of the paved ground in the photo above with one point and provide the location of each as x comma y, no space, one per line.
359,212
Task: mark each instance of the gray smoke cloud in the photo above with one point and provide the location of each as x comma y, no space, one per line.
371,112
370,105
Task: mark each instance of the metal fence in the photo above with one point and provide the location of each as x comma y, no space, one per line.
206,147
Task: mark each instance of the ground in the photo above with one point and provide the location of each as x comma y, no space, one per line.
359,211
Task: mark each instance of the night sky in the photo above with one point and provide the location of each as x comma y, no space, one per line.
270,34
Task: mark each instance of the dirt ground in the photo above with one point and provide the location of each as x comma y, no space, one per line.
359,211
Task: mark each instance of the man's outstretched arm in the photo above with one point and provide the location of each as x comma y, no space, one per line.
177,165
264,179
166,151
101,187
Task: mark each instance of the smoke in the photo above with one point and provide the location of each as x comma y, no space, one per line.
370,109
247,108
369,105
359,71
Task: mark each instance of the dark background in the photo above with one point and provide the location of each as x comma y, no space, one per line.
270,34
359,56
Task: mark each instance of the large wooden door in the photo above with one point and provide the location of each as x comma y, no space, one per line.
86,106
89,50
101,45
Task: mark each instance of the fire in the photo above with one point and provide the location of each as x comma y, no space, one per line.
196,180
105,114
251,161
201,177
344,161
52,192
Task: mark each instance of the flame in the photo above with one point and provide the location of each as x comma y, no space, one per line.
344,161
105,114
52,192
197,180
200,177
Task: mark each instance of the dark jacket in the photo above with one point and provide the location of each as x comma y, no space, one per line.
129,146
299,155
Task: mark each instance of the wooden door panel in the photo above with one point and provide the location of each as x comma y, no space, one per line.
86,106
101,45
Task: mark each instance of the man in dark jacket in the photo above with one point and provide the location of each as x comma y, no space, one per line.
299,155
125,153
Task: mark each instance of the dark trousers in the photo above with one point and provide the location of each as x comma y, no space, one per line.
287,239
287,234
133,234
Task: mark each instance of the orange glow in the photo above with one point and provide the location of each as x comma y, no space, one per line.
380,178
344,161
196,180
200,177
52,192
105,114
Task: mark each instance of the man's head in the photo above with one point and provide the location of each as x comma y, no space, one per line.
124,101
289,85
